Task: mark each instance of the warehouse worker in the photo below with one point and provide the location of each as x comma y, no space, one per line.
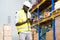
23,22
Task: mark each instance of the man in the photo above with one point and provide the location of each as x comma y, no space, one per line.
23,22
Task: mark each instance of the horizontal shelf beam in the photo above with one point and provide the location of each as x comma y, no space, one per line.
46,19
37,5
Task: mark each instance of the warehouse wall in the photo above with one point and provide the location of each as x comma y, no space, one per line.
8,8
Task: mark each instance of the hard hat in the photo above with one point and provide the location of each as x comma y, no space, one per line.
28,4
57,5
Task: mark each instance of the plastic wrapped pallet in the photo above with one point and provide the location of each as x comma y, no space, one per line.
1,33
7,32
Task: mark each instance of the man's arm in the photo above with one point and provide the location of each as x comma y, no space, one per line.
21,23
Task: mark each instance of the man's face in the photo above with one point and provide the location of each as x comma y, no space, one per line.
25,8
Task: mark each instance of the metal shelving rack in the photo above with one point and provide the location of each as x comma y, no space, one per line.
52,17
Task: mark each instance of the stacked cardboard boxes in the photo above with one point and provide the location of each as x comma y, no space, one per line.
1,33
35,35
57,28
7,32
49,35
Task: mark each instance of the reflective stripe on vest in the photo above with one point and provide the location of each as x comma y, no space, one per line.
24,30
22,18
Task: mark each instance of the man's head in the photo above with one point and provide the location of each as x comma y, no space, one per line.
27,5
25,8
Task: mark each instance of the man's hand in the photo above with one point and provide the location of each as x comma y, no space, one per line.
29,20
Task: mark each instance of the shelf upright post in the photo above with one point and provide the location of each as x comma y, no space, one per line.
53,23
38,11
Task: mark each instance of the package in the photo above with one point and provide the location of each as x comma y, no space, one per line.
7,38
1,33
33,1
57,24
7,27
35,35
7,32
45,14
49,35
41,17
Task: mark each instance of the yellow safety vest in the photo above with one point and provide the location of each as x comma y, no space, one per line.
22,17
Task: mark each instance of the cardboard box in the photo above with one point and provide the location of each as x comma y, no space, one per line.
57,23
7,27
7,32
1,30
35,35
1,37
7,38
49,35
7,35
1,33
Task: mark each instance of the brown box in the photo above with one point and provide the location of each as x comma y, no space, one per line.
7,32
35,35
7,27
1,30
57,23
45,15
49,35
1,33
1,37
7,38
7,35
